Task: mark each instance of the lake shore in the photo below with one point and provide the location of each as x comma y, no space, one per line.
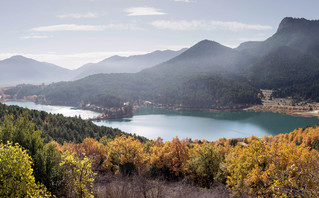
285,105
290,110
276,105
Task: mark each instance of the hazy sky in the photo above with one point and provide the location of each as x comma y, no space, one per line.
70,33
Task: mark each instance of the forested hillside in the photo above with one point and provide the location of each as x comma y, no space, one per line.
57,127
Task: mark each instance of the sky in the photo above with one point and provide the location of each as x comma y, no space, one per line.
71,33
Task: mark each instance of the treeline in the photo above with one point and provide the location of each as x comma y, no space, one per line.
216,93
303,92
284,165
60,128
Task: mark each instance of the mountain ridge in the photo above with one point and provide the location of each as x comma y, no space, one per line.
130,64
19,69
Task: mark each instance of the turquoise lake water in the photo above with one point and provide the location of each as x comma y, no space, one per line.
167,124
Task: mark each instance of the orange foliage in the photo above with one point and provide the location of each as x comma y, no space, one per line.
90,148
172,155
123,151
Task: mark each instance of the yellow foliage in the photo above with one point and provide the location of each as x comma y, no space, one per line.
125,150
172,155
273,169
16,174
79,175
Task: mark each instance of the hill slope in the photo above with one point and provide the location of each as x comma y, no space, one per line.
283,67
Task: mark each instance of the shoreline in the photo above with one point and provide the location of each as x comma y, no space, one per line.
285,105
299,111
284,110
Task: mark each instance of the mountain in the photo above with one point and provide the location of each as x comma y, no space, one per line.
131,64
205,57
298,33
19,69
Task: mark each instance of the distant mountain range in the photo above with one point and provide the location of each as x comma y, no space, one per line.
131,64
286,62
19,69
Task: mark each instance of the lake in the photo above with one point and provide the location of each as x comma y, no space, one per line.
167,124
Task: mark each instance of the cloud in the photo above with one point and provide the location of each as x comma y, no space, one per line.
79,15
34,37
143,11
207,25
74,27
186,1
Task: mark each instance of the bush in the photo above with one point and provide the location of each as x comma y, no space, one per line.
204,165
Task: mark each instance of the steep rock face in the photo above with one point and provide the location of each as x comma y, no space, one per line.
290,25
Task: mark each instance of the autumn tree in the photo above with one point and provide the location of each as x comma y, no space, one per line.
241,161
170,158
126,155
16,174
90,148
79,177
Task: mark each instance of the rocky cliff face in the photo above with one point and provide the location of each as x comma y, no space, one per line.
289,25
